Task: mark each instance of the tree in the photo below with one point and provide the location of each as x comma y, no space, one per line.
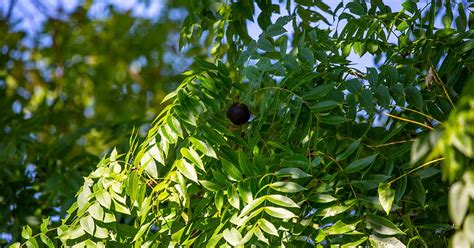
332,155
70,90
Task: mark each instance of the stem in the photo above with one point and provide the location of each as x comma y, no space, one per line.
415,169
345,175
408,120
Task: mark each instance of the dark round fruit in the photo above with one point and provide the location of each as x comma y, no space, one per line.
238,113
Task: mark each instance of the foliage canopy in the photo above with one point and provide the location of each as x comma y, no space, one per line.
331,156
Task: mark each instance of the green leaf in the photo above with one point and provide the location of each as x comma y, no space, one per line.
367,101
419,190
83,197
353,85
458,203
359,48
186,169
383,95
340,228
305,55
244,56
185,115
193,156
210,185
267,227
148,162
72,233
264,64
372,46
121,208
469,227
460,239
203,147
410,6
169,134
231,171
309,16
382,226
282,201
219,200
283,20
414,97
204,65
265,44
103,197
279,212
157,153
169,96
462,142
391,74
295,117
96,211
335,210
46,240
322,198
242,221
109,217
141,231
372,76
370,181
16,245
174,124
232,236
400,188
403,26
420,148
245,192
214,240
31,243
176,236
275,30
386,196
87,224
260,235
101,232
324,106
244,164
461,20
287,187
356,8
356,243
376,241
44,225
294,172
360,164
283,45
333,119
251,206
212,136
350,149
233,197
319,91
398,93
26,232
346,49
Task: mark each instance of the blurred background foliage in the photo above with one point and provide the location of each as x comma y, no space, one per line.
72,88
